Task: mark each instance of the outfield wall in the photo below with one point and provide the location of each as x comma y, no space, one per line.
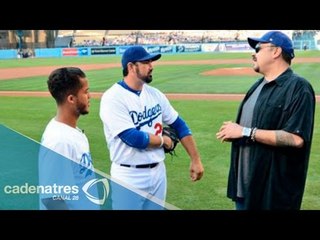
118,50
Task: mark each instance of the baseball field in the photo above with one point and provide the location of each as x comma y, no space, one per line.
205,89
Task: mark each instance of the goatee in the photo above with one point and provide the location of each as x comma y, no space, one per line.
147,79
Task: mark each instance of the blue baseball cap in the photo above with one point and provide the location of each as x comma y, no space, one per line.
137,54
277,38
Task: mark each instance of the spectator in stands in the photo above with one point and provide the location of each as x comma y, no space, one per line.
237,35
70,43
305,47
19,53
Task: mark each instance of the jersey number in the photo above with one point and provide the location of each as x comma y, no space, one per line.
158,128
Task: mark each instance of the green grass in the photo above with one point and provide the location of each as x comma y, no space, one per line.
65,61
167,78
31,115
170,79
31,62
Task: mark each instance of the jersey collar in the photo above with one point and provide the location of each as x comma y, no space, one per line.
124,85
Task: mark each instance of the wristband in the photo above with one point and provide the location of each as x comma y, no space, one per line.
161,139
253,134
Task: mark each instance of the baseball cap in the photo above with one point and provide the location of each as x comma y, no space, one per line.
137,54
277,38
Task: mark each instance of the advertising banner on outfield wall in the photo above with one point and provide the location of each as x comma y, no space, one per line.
70,52
237,47
159,49
153,49
83,51
188,48
122,49
166,49
213,47
103,51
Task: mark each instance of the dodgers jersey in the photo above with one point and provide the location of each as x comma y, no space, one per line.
121,109
65,161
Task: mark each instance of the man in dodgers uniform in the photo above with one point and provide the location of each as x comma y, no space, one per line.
133,114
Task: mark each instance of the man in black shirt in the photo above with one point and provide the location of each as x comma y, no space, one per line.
271,138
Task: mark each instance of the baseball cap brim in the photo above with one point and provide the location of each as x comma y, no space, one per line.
152,57
254,41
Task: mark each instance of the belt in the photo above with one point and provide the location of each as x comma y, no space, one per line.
151,165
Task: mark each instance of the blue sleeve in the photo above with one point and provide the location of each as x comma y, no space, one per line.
181,127
135,138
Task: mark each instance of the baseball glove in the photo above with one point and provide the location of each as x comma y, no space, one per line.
171,133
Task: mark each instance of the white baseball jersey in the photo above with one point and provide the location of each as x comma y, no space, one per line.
68,165
121,109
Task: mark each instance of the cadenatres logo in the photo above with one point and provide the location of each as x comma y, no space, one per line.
105,189
65,192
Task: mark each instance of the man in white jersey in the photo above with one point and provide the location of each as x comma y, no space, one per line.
133,114
65,163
